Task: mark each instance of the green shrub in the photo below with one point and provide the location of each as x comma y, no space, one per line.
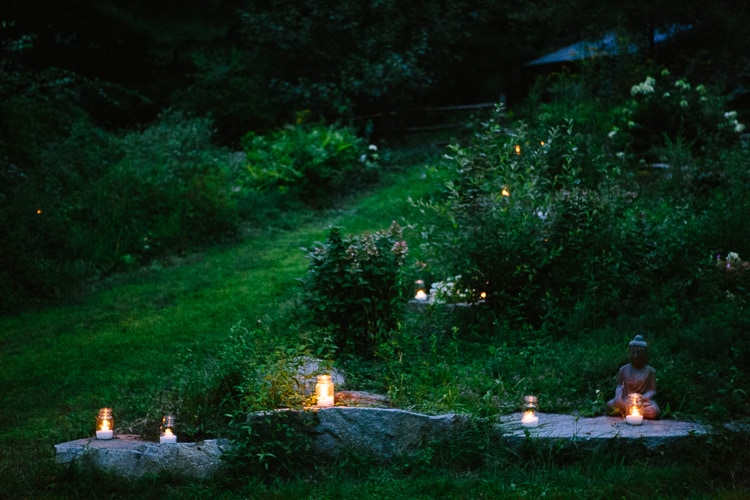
87,202
170,188
550,218
316,163
50,153
666,109
354,285
531,220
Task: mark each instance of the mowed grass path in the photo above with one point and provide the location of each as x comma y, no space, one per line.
121,341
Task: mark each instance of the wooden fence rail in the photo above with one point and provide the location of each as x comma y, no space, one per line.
422,120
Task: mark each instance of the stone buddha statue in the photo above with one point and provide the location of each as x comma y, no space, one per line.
636,377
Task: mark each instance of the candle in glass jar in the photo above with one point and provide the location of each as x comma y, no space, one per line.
105,424
529,418
635,403
635,417
324,391
167,435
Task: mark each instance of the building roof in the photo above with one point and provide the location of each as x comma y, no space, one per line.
608,45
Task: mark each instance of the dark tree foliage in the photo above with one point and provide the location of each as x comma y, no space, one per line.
77,76
369,55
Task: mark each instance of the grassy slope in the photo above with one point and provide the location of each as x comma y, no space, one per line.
117,345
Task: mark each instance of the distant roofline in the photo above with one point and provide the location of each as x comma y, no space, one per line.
605,46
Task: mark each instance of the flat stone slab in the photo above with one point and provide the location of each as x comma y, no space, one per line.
379,433
128,456
652,433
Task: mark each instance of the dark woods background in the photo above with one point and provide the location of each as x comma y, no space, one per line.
253,65
118,120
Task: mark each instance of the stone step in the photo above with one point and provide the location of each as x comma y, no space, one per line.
652,433
377,433
127,455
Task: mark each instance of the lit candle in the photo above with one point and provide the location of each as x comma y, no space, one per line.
529,418
419,290
167,430
167,437
105,424
324,391
635,402
635,417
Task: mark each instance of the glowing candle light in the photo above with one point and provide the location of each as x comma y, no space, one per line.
167,430
324,391
634,417
529,418
419,290
105,424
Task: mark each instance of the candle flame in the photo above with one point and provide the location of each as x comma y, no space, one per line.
505,192
518,149
635,412
527,416
105,425
168,432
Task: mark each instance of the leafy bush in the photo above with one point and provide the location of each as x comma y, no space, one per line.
525,209
49,153
87,202
354,285
665,110
171,187
549,219
236,393
316,163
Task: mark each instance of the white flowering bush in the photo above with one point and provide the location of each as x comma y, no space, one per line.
665,111
732,279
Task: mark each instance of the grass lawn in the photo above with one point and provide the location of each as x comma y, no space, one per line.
120,342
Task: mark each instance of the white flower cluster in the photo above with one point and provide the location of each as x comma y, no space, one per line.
645,87
731,117
733,260
448,291
373,152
